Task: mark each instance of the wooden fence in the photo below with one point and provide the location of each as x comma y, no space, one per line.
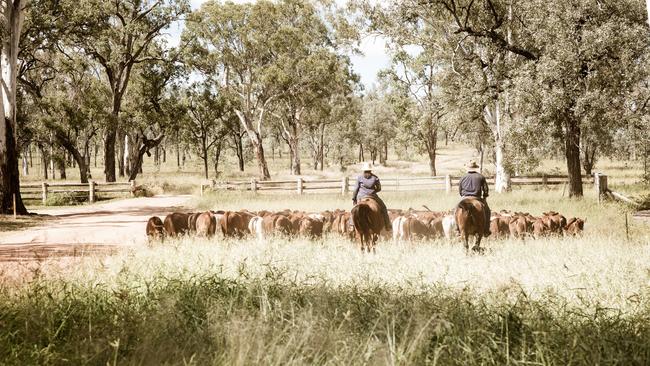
92,189
347,184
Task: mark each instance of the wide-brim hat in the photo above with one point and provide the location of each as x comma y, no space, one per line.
472,166
366,167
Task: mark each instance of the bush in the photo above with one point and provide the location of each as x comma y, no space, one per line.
64,199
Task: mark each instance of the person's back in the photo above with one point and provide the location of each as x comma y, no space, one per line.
474,184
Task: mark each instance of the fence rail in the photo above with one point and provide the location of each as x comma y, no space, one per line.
41,191
345,185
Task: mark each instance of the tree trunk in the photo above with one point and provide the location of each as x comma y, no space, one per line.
145,145
126,156
25,163
204,155
109,149
502,176
12,14
295,155
321,152
178,152
572,153
164,155
60,162
96,153
43,161
432,146
256,140
122,146
589,159
239,150
361,157
217,157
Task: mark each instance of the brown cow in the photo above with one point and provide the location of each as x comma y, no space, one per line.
206,224
155,228
436,228
540,228
295,219
575,226
311,228
499,227
191,221
276,224
176,223
233,224
559,221
518,226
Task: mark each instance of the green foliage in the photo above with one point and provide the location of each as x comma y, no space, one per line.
208,319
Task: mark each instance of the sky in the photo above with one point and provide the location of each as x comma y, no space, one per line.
374,56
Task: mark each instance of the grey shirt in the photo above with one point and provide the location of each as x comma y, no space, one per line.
473,184
366,187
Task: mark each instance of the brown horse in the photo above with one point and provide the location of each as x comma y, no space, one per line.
368,223
471,221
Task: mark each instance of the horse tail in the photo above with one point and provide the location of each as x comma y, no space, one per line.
360,219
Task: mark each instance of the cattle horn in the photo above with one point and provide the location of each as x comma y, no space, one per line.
425,206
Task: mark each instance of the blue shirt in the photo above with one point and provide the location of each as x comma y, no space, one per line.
366,187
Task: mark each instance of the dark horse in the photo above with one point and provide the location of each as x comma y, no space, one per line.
470,219
368,223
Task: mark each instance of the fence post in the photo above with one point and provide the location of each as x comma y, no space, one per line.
254,185
448,183
345,186
600,182
44,192
544,181
91,191
300,186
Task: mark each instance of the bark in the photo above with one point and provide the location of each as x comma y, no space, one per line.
121,152
43,161
25,163
431,143
294,147
255,136
164,155
144,147
239,150
109,149
572,154
493,118
126,156
204,155
12,14
60,162
178,154
217,157
63,140
589,158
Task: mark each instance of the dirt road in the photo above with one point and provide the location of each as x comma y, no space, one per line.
83,229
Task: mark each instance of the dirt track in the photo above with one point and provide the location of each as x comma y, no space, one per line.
87,229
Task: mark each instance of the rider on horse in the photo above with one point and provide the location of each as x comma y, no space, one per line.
473,184
368,185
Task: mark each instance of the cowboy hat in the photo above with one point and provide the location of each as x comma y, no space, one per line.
472,166
366,167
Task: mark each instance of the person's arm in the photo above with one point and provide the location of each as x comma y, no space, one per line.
356,191
486,191
377,185
460,187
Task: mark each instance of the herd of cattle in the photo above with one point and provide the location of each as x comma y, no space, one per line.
407,224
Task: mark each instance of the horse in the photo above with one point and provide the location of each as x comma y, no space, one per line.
368,223
471,221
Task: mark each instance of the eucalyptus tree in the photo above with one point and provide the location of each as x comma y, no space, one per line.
118,35
12,14
260,52
207,112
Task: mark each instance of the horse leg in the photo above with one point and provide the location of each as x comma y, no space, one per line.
466,243
477,246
